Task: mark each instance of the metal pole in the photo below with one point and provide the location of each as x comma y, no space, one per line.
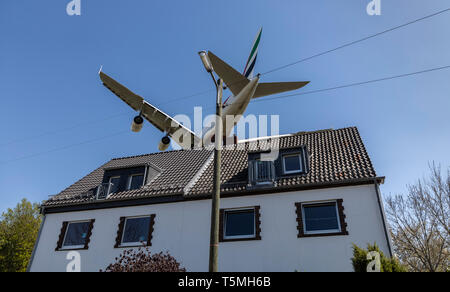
214,239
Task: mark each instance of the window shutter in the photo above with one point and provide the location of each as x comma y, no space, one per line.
342,217
257,222
60,242
88,237
221,224
120,232
150,229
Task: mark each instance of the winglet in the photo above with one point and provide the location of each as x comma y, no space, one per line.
101,68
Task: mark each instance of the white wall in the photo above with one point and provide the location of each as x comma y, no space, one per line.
183,230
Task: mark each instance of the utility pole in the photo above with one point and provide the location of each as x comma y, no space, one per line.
214,240
215,203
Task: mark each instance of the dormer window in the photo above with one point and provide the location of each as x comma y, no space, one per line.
292,163
120,179
114,183
261,172
135,181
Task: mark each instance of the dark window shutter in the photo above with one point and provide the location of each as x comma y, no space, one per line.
298,211
150,229
60,242
88,238
258,222
342,217
120,232
221,224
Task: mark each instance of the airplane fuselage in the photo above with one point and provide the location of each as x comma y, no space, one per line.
233,112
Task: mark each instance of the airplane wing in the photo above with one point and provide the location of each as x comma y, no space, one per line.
162,121
265,89
234,80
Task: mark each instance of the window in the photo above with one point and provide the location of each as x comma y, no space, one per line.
135,231
114,183
261,172
135,181
325,218
75,235
321,218
240,224
292,163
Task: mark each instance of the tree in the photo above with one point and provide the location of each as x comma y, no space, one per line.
360,260
420,223
142,260
18,232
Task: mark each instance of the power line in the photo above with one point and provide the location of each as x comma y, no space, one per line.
357,41
265,73
326,52
257,100
23,139
186,97
355,84
63,147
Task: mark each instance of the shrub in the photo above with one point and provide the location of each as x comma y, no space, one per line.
142,260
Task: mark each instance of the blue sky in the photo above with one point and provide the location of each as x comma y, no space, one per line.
51,96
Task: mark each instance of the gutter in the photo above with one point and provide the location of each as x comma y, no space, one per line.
37,241
179,197
383,217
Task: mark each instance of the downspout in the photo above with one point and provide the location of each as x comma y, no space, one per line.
383,217
37,240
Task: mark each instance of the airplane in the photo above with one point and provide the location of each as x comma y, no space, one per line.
244,87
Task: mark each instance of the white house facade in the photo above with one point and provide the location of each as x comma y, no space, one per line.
302,211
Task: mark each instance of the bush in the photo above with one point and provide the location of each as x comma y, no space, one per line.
142,260
360,261
19,228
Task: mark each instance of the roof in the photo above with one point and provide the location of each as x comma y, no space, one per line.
334,157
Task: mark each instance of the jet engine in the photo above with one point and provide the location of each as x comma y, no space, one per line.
164,144
137,124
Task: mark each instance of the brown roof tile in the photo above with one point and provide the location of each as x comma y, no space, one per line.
334,156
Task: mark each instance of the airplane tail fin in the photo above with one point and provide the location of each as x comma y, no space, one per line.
265,89
234,80
250,65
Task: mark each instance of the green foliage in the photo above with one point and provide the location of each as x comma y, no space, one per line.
360,261
18,232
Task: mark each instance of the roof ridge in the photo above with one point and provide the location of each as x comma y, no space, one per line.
199,173
323,131
148,154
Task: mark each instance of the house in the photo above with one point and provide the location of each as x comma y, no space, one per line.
301,211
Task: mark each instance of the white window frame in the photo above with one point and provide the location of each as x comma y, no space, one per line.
131,177
325,231
300,158
72,247
109,186
138,243
238,236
